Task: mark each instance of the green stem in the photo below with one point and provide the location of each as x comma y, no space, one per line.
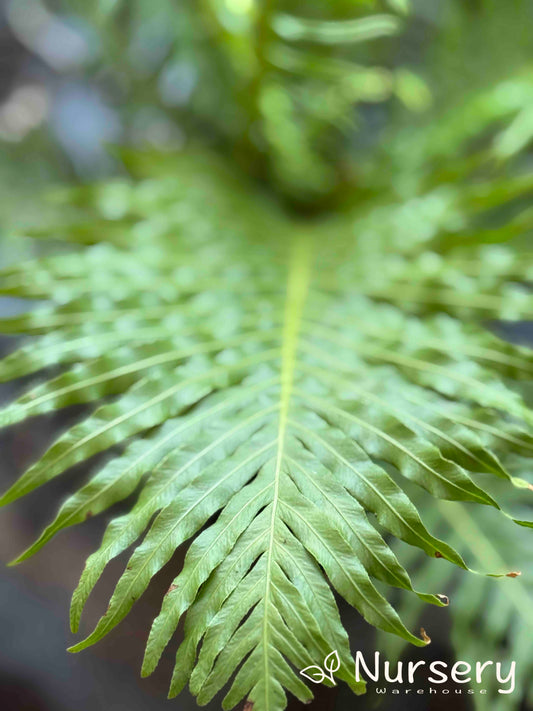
247,151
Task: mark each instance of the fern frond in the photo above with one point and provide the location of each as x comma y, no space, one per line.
281,377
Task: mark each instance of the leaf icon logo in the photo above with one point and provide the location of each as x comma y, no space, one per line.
317,674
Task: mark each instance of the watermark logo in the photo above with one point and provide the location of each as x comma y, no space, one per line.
318,674
434,672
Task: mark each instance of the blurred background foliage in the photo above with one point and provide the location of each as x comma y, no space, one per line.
320,102
299,94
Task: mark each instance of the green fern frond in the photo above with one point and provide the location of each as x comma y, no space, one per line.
281,376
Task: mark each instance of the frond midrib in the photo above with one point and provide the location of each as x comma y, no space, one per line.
299,277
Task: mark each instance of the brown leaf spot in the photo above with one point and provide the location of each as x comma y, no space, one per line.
438,555
88,515
530,486
514,574
171,589
248,706
443,598
424,635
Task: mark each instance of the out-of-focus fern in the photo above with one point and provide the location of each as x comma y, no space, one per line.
277,84
272,378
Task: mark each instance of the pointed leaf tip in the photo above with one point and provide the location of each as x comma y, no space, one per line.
425,636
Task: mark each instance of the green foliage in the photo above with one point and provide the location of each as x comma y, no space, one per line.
269,370
275,85
275,382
